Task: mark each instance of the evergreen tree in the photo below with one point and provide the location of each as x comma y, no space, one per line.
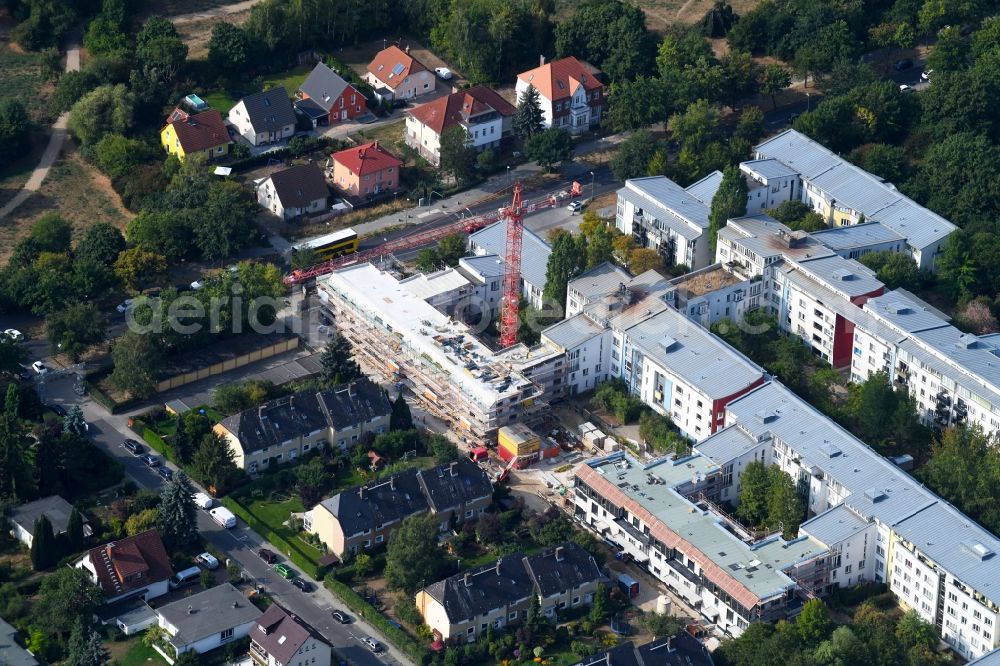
74,421
44,553
74,531
338,366
599,607
178,519
565,263
528,119
213,463
400,419
85,647
730,201
754,485
12,401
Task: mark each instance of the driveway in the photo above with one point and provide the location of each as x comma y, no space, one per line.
56,140
214,12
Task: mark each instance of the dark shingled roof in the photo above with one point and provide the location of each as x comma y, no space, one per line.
323,86
299,186
512,579
458,482
280,634
680,650
269,111
484,588
386,501
299,414
54,507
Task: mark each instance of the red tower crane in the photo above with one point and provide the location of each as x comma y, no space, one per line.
511,302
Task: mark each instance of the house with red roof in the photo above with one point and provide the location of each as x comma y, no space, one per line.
570,91
131,567
485,115
202,133
395,74
365,170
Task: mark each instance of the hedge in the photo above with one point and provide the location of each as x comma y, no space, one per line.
105,401
156,443
297,557
402,640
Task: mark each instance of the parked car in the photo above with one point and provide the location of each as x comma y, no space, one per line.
303,585
14,334
150,460
39,367
202,501
575,206
124,306
182,577
166,473
903,88
443,73
284,571
340,616
58,409
267,555
372,644
903,64
207,560
926,75
133,447
197,284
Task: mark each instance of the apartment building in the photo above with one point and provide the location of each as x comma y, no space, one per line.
287,428
365,516
661,215
402,337
792,167
535,251
570,92
480,111
857,240
878,523
282,639
465,606
748,245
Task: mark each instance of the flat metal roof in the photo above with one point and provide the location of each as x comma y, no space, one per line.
840,239
833,526
667,201
534,251
572,332
769,168
902,313
704,190
599,281
843,276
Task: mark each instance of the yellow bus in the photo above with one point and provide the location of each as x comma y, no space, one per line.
332,245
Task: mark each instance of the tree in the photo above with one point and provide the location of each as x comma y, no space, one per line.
15,128
311,479
813,624
740,77
50,233
565,263
178,519
337,365
136,267
86,647
528,119
599,247
206,579
443,449
75,329
363,565
12,354
750,127
785,508
600,606
103,110
549,147
718,20
101,244
136,357
895,269
227,222
644,259
213,463
65,596
950,52
774,78
142,521
730,201
228,48
755,484
489,529
412,558
610,34
117,155
661,624
633,155
71,87
638,103
189,658
889,162
74,531
977,318
159,50
44,552
400,418
458,157
74,422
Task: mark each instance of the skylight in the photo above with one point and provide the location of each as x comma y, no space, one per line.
398,69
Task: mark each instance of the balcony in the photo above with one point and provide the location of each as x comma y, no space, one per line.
258,654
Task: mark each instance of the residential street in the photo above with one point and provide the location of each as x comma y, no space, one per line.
239,544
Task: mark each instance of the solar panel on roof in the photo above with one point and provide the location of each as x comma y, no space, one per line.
398,69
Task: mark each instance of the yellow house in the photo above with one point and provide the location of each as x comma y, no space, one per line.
203,133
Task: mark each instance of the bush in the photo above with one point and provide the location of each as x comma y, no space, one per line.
393,634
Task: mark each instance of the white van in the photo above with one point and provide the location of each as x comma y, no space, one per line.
223,516
182,577
202,501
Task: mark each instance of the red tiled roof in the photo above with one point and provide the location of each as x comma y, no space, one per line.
199,131
560,78
396,62
141,557
366,158
445,112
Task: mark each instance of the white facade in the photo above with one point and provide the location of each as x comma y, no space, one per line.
151,591
267,197
414,85
661,215
240,119
481,135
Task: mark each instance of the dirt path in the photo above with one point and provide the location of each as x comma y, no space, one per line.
214,12
52,151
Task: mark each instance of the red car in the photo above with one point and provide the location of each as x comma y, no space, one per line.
267,555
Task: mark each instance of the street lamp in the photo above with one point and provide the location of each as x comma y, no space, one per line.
808,102
591,186
508,175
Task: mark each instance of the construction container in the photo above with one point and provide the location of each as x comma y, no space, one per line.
550,449
628,585
479,454
517,440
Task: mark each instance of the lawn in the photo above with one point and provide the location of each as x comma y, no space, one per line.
392,136
220,100
133,653
290,79
25,79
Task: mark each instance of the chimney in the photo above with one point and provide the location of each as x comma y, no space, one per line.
190,610
375,144
541,60
559,553
407,49
453,468
468,579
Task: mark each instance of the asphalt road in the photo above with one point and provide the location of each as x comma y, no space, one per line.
239,544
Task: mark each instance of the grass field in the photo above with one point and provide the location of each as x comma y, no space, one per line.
24,79
133,653
291,79
220,100
174,7
391,136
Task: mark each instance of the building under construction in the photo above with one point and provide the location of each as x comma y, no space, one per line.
408,330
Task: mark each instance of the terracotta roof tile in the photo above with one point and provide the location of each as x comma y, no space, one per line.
445,112
366,158
393,65
199,131
560,78
131,563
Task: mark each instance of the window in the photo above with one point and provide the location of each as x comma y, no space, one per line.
226,634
